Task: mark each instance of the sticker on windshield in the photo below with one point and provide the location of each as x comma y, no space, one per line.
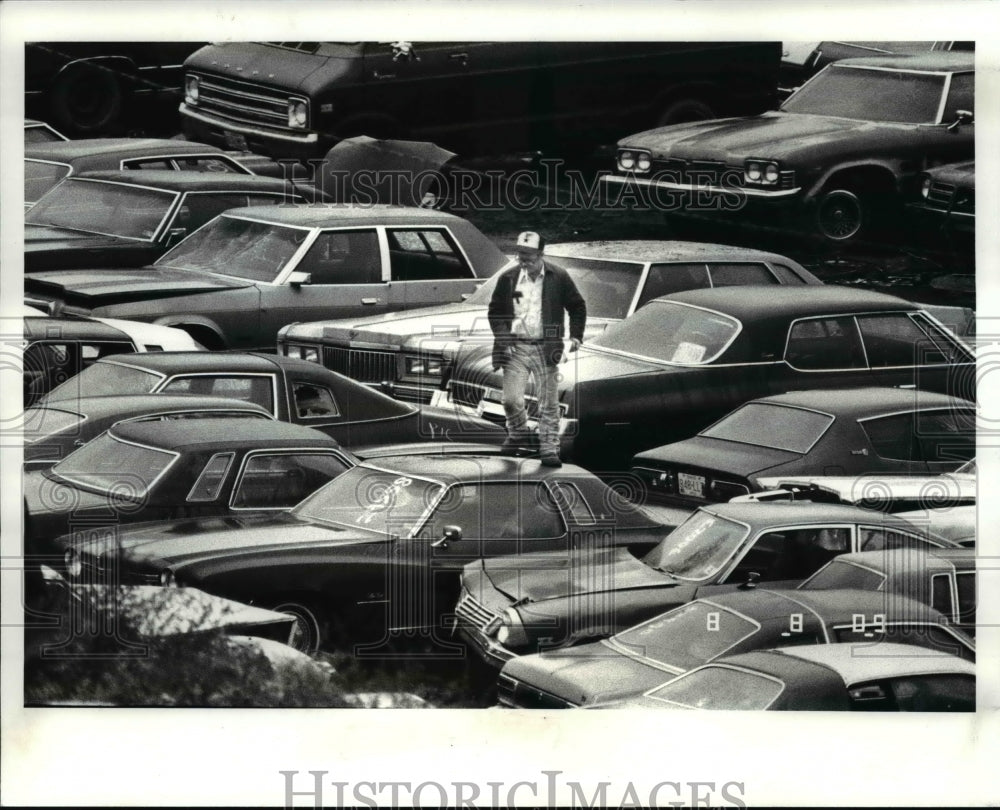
385,500
688,353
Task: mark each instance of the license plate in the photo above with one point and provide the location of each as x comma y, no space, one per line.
691,485
234,140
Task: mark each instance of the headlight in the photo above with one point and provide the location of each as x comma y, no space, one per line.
310,353
167,578
297,113
192,87
763,172
511,632
74,563
925,187
630,160
771,173
643,162
626,160
754,172
431,366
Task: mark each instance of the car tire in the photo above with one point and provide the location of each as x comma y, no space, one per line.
307,635
684,111
842,215
87,100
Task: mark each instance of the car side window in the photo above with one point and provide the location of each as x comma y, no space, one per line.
786,275
934,693
892,340
966,585
664,279
735,275
312,401
961,96
893,437
344,257
941,594
146,164
209,482
205,163
792,554
281,480
498,511
947,435
877,538
824,343
425,254
248,389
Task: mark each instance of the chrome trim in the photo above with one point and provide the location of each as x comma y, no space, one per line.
749,192
305,138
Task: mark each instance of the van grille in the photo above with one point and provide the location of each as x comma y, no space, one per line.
243,102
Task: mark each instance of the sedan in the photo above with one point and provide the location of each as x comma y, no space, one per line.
175,468
685,360
828,432
409,352
249,272
515,606
634,661
832,677
946,201
842,152
52,432
290,390
377,551
114,219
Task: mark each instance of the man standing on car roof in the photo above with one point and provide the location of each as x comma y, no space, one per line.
527,316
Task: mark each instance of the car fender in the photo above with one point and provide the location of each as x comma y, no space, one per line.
199,321
891,167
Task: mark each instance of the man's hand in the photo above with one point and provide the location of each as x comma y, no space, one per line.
574,344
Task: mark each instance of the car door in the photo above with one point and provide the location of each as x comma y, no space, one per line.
427,266
346,279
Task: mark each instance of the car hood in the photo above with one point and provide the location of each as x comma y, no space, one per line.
716,454
178,542
587,674
49,237
98,287
768,136
268,64
394,328
527,580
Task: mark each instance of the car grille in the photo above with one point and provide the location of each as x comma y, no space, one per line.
473,613
940,195
710,173
511,692
363,365
949,197
243,102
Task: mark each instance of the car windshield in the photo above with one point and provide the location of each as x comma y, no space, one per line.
871,94
699,547
720,688
608,287
672,332
105,379
41,423
377,500
242,248
40,176
126,470
679,639
111,209
774,426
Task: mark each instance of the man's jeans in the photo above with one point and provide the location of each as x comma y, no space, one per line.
524,359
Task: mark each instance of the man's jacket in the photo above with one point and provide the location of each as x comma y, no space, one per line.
559,296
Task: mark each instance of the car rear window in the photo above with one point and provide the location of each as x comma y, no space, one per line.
41,423
39,177
775,426
106,379
840,574
720,688
126,470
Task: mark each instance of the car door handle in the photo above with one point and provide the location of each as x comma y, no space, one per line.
369,302
378,75
464,57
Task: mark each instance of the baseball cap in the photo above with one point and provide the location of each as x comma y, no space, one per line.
530,240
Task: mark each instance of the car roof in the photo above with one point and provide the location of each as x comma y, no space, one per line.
863,402
323,215
912,559
450,467
186,181
649,250
175,362
146,404
224,433
832,607
759,303
122,148
946,61
774,513
861,661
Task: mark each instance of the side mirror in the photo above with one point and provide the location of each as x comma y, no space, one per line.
961,117
297,279
452,534
174,235
753,577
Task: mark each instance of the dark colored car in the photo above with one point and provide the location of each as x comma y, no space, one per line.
291,390
114,219
634,661
846,677
945,579
819,432
296,99
177,468
516,606
102,88
947,200
843,152
40,132
246,274
46,164
379,549
410,351
52,432
56,349
685,360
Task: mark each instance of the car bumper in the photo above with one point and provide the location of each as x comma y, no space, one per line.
234,135
938,219
489,650
735,193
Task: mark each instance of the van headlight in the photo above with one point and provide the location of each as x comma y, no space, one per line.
298,113
192,89
167,578
74,562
